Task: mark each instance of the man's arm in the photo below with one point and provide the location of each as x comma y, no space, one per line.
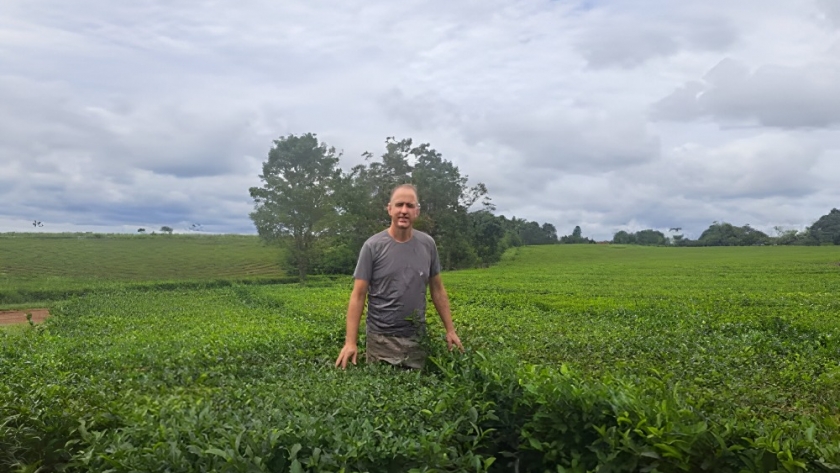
441,302
354,317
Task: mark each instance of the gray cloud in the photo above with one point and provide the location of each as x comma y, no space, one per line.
120,115
772,95
546,137
629,41
626,47
423,111
758,167
46,123
831,10
564,142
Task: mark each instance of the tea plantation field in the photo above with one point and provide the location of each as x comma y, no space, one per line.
579,358
49,266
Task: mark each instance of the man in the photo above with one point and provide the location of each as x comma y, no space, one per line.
395,266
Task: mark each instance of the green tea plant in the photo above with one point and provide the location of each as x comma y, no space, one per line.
580,358
47,267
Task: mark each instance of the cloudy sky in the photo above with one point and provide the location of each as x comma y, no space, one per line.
611,115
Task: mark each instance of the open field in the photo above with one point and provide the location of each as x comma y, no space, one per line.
42,267
579,357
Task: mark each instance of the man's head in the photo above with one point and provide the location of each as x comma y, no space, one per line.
403,207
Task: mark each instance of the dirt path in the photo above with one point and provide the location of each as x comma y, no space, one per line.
9,317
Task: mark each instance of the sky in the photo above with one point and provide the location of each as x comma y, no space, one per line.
610,115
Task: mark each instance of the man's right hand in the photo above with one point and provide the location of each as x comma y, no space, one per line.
348,353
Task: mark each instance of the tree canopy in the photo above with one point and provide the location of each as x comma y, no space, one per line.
295,204
323,215
575,237
827,228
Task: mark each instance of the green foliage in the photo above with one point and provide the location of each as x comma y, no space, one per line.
295,204
647,237
826,230
726,234
531,233
580,358
466,237
488,233
445,200
623,238
575,237
43,267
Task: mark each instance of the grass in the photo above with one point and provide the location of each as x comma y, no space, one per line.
15,330
56,266
725,323
579,356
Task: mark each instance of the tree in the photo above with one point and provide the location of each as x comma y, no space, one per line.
623,238
295,204
141,230
726,234
165,229
575,237
488,233
445,200
650,237
550,232
532,234
827,228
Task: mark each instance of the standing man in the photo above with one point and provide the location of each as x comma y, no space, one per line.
395,266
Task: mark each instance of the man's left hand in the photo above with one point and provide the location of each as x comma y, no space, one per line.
452,341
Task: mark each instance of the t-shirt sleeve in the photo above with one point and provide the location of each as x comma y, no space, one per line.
364,267
434,267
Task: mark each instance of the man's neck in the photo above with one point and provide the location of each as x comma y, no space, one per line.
401,235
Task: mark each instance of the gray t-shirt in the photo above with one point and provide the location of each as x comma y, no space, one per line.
398,275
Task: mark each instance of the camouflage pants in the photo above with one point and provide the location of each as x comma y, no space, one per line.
398,351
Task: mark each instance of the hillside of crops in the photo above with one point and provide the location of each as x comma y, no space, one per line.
51,266
579,358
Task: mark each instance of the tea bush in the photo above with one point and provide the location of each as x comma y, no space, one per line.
579,359
54,266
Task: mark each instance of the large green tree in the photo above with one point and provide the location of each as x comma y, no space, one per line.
295,204
445,200
651,237
726,234
488,233
827,228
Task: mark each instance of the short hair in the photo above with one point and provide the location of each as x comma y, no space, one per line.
404,186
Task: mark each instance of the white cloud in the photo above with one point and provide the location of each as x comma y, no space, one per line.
830,10
616,40
772,95
119,115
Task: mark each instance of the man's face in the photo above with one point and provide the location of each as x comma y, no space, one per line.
403,208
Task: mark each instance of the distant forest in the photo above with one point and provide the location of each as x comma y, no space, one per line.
825,231
322,215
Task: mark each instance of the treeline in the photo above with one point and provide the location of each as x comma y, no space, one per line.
825,231
323,215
